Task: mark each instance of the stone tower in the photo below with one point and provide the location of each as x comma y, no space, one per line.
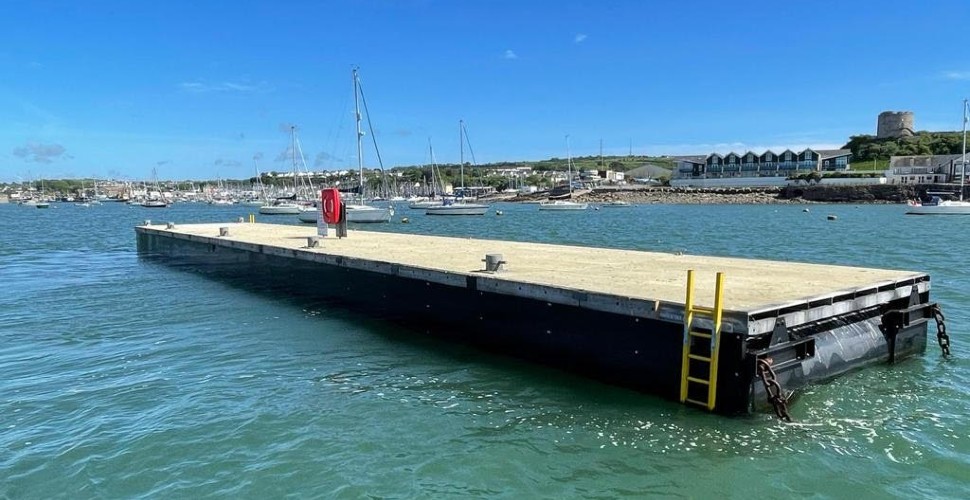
894,124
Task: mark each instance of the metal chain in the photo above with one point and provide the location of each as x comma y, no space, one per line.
941,335
776,396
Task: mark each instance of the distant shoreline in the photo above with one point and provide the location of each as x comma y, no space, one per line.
874,194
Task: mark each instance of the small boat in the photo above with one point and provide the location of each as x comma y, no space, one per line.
938,206
37,203
366,213
565,205
361,212
156,198
280,208
562,205
457,208
309,215
425,204
436,187
452,206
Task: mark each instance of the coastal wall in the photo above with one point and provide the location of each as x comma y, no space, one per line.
729,182
795,193
874,193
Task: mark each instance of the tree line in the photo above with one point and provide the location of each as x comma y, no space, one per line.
868,147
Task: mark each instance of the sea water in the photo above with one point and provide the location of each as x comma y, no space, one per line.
123,378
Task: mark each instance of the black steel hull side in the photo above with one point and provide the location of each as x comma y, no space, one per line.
856,343
637,353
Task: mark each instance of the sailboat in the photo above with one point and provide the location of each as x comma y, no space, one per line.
948,207
284,206
261,189
459,207
152,201
436,188
361,212
42,201
561,205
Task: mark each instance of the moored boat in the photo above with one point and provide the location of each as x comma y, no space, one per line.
457,208
938,206
561,205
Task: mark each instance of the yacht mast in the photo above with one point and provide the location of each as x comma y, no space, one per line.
296,186
963,169
461,145
569,168
431,164
360,134
259,179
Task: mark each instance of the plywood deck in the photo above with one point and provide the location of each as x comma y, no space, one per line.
749,284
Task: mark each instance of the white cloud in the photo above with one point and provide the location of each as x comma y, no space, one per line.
580,37
240,87
510,54
956,75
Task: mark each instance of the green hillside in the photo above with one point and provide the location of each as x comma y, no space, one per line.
866,148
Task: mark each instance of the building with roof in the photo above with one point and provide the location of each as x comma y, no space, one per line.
925,169
753,169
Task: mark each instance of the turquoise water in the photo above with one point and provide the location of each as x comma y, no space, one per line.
122,378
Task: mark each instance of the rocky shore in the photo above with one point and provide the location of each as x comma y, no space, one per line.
884,193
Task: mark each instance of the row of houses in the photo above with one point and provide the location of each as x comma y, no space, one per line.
752,169
767,164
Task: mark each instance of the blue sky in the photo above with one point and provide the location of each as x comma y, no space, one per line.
197,89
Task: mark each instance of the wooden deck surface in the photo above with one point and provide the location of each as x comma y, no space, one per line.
749,284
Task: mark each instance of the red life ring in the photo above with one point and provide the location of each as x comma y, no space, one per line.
330,203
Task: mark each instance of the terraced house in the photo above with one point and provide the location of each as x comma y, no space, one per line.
752,169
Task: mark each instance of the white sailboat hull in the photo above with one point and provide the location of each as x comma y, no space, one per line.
310,215
281,209
943,208
367,214
458,209
424,204
560,205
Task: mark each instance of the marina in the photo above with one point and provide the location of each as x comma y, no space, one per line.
150,369
233,273
616,315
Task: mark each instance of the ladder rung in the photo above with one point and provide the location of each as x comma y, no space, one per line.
699,380
699,358
707,311
699,334
696,402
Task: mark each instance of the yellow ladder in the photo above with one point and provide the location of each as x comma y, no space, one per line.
698,369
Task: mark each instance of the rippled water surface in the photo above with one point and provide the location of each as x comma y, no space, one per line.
122,378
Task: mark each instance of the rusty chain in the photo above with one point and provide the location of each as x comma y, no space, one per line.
941,335
776,395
